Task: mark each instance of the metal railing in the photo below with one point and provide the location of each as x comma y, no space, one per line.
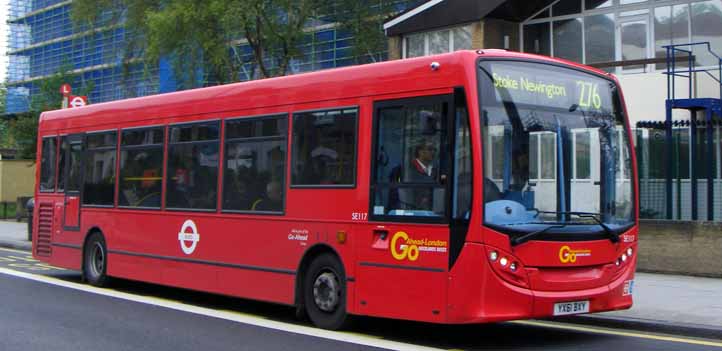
672,72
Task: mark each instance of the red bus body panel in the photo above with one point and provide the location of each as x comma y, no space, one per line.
259,256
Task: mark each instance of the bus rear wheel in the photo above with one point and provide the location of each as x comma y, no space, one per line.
324,293
95,260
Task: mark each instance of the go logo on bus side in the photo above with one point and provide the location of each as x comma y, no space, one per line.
404,247
404,251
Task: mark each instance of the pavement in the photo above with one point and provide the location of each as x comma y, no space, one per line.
14,235
672,304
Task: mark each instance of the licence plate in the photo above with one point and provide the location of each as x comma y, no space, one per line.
564,308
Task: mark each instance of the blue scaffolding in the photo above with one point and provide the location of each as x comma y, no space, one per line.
710,107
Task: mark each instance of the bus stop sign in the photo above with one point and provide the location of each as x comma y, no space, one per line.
65,89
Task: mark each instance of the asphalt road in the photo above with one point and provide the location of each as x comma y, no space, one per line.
45,308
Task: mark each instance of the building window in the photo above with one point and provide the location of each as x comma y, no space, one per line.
600,45
255,164
193,166
537,39
324,148
141,167
99,177
707,26
568,39
437,42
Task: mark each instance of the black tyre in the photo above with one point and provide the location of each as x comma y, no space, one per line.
95,260
324,293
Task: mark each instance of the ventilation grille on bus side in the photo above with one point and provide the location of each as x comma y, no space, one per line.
45,230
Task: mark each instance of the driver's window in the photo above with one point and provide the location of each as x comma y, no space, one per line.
411,159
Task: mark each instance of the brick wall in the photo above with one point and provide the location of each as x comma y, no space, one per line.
675,247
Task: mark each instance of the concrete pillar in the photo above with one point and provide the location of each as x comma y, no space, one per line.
500,34
394,43
477,35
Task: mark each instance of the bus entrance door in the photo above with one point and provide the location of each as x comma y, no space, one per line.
403,263
73,176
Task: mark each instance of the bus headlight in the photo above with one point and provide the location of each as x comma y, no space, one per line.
503,261
493,256
629,252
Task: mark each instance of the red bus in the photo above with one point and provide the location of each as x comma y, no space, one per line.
461,188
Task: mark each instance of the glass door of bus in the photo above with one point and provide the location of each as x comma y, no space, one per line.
73,182
585,182
403,255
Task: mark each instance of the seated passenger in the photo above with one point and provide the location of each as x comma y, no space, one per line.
273,200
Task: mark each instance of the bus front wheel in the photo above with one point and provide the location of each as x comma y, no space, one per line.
325,293
95,260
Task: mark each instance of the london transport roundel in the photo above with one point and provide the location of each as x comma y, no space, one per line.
189,237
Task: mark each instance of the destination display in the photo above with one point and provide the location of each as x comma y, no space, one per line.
544,85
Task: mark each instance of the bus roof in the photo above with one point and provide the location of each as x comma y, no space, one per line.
374,79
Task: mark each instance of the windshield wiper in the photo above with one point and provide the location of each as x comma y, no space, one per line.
596,217
526,237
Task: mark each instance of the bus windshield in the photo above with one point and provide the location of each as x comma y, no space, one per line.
556,152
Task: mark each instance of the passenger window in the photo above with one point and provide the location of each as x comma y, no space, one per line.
324,148
255,164
193,166
74,166
62,157
47,165
99,178
411,163
141,168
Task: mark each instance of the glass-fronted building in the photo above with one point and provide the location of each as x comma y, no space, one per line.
43,40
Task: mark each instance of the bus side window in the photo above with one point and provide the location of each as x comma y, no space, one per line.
324,148
99,177
193,166
62,160
141,167
255,164
47,164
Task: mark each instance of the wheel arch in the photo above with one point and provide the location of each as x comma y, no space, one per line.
308,257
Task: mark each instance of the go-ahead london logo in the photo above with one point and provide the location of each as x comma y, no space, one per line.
189,237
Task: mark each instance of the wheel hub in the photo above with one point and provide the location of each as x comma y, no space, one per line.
326,292
98,259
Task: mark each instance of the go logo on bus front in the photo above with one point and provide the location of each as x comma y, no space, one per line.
404,247
567,255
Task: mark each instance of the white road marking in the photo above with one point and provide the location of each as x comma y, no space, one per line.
226,315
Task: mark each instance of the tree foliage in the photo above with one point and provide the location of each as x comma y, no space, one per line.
364,20
197,35
6,139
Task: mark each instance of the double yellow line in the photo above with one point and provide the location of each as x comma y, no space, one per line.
607,331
